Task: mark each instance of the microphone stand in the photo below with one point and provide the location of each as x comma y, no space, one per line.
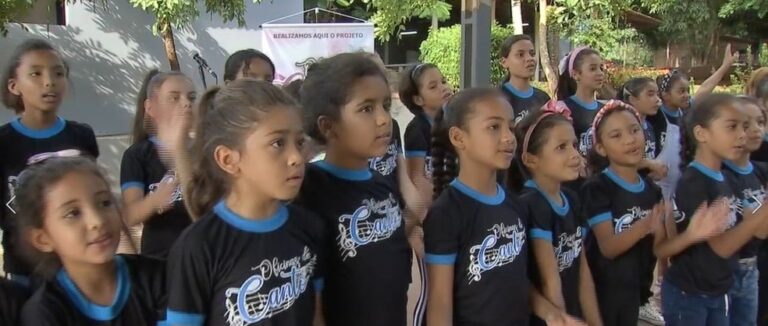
202,75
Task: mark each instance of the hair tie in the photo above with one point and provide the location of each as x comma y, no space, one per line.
552,107
608,107
666,81
415,70
572,58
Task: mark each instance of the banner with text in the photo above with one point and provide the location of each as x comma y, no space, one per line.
294,47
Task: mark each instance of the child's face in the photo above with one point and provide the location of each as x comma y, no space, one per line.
81,220
754,126
175,94
590,73
270,161
488,138
621,139
257,69
558,158
41,81
679,94
521,60
648,101
725,135
434,91
365,127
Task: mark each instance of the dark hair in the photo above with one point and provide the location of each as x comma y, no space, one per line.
444,156
633,87
566,85
518,172
761,91
293,88
10,100
410,82
240,60
707,109
595,161
327,88
33,184
751,100
228,115
154,79
666,81
506,46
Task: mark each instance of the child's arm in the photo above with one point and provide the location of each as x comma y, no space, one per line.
415,203
587,295
174,133
551,286
440,295
139,208
709,85
729,242
613,244
415,166
319,319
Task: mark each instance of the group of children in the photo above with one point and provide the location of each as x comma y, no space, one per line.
519,209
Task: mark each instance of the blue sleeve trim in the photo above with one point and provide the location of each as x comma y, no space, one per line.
541,234
449,259
599,218
183,318
319,285
132,184
416,154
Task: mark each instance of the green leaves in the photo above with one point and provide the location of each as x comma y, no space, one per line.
180,13
389,16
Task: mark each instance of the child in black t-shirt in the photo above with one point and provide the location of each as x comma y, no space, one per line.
703,259
370,264
518,57
424,91
476,234
549,158
72,226
623,209
251,259
151,193
34,86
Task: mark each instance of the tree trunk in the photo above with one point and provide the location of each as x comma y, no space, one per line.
541,41
493,11
435,22
170,46
713,44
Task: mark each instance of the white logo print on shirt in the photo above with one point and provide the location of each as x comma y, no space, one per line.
252,303
387,163
487,255
569,248
359,229
169,176
585,142
633,215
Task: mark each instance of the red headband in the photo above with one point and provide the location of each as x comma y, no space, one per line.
551,108
608,107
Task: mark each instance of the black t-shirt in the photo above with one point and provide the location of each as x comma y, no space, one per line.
418,140
609,199
485,239
524,102
698,269
140,298
369,261
12,299
652,145
761,155
748,184
17,144
658,126
142,169
229,270
561,226
583,114
387,164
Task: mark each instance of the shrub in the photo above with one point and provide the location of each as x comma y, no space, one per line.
618,75
443,48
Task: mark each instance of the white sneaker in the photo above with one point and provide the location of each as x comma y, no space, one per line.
649,313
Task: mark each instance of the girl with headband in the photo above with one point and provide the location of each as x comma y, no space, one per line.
623,209
549,158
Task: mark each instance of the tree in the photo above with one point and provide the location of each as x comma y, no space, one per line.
542,30
391,15
10,9
170,14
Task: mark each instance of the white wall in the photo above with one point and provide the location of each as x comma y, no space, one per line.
110,46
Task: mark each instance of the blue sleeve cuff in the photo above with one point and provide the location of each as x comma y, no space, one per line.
183,318
319,284
132,184
415,154
599,218
541,234
449,259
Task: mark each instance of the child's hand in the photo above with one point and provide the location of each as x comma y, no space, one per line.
710,221
729,58
172,130
658,169
163,195
564,319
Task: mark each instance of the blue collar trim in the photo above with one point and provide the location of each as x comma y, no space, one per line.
264,225
92,310
589,106
631,187
745,170
496,199
521,94
49,132
715,175
561,210
346,174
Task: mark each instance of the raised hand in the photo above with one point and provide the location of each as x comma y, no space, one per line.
729,58
658,169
